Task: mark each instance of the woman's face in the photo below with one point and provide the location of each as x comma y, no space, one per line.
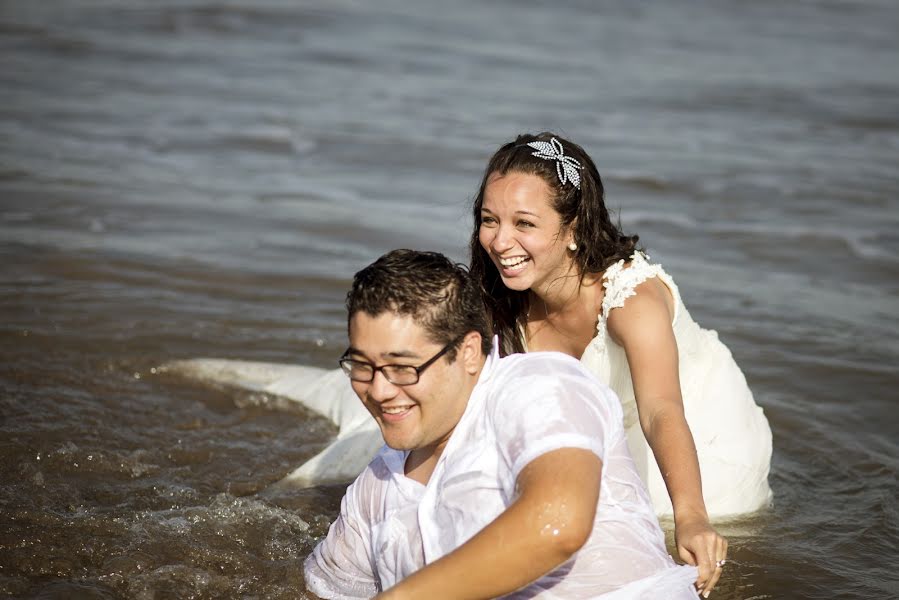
523,233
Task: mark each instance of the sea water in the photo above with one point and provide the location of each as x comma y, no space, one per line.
202,178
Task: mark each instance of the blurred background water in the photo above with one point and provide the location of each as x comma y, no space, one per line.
191,178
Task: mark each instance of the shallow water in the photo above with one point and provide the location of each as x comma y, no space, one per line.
191,178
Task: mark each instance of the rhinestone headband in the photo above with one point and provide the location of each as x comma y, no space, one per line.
566,167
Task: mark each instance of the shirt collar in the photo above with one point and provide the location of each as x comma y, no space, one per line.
492,359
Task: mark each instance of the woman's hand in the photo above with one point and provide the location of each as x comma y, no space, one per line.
700,545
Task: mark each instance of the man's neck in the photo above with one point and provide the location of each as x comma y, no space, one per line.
421,462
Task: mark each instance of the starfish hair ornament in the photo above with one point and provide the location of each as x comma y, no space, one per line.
566,167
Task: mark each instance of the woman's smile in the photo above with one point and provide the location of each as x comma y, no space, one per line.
513,265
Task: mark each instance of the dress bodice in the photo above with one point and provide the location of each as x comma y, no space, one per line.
603,356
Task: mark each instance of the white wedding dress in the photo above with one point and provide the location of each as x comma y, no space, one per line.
732,436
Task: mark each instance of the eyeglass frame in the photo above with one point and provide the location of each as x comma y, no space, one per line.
418,370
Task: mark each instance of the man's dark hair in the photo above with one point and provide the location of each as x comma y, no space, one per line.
437,293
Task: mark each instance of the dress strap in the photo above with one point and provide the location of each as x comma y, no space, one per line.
620,283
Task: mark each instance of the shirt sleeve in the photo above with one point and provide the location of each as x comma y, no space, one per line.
547,403
341,565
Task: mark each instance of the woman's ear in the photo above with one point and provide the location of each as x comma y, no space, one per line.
571,231
472,357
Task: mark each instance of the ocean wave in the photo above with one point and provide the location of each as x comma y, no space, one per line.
864,244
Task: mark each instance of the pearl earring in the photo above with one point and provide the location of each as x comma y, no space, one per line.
572,246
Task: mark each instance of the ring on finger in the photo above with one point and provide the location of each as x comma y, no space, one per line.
720,563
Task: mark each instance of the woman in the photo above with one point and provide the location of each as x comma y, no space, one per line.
557,274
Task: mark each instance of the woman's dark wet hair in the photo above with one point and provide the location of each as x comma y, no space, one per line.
438,294
600,242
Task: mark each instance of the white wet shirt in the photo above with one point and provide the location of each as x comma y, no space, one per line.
391,526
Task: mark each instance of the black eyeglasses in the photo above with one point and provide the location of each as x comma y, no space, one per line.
364,372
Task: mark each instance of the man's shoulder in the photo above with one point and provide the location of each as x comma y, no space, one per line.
538,372
538,364
370,486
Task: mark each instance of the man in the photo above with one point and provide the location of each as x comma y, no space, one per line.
499,475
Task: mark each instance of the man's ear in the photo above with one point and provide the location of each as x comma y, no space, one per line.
472,356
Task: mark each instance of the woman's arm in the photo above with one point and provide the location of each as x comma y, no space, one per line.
549,521
643,328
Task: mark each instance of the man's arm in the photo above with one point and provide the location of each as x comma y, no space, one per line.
340,566
551,519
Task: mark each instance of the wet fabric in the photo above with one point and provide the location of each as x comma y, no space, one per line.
390,526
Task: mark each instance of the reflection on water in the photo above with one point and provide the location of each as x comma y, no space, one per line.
201,179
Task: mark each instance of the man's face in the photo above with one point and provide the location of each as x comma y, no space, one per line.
416,416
